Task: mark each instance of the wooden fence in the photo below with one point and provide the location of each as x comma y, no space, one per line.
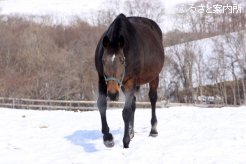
35,104
20,103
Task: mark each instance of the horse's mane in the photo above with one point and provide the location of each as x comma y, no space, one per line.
120,27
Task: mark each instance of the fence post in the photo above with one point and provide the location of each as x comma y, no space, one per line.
13,103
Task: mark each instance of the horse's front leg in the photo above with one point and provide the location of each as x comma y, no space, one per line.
131,124
128,117
108,139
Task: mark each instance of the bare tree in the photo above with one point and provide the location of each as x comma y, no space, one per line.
110,9
47,61
237,46
183,58
150,9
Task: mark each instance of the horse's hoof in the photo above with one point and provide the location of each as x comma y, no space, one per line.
108,140
109,144
126,141
153,133
126,146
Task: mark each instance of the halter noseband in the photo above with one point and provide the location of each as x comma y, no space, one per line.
111,78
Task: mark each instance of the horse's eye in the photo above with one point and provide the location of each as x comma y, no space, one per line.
122,60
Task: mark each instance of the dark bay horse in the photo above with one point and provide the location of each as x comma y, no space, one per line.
129,54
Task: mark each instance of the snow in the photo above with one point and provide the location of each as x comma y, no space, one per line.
186,135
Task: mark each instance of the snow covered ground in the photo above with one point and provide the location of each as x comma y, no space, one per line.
187,135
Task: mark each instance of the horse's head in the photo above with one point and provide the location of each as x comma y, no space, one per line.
113,65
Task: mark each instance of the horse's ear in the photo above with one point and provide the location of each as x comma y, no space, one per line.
121,41
106,41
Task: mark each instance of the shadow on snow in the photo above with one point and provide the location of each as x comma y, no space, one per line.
85,138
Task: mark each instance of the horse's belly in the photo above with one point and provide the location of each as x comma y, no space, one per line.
151,69
147,77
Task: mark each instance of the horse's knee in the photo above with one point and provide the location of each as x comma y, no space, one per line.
153,96
102,102
133,106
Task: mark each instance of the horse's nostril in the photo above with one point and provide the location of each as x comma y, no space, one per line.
113,96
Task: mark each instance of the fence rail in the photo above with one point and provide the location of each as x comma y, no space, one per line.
20,103
36,104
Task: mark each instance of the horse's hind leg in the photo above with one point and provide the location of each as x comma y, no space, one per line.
102,105
153,85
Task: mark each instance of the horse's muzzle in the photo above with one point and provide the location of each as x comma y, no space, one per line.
113,96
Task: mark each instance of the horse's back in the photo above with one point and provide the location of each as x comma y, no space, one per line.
148,23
